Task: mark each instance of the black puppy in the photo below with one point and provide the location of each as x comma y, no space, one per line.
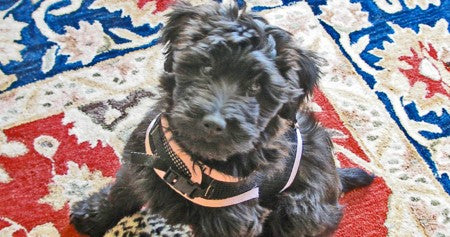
223,151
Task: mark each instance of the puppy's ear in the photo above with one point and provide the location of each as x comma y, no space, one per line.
181,12
300,68
167,85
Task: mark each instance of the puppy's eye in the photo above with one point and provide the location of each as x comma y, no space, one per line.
206,70
254,89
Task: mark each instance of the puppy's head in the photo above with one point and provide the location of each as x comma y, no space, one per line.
232,80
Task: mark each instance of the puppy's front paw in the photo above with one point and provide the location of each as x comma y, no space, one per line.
92,216
85,219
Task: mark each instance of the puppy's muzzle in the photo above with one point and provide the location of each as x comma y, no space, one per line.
214,124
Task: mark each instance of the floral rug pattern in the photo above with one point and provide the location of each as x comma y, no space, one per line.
77,76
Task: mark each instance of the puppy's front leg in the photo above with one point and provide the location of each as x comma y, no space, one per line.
302,214
102,210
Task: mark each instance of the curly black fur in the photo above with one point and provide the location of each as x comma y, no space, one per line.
250,78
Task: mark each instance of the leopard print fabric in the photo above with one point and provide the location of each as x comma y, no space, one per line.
144,224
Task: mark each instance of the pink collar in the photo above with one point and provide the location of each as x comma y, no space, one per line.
200,171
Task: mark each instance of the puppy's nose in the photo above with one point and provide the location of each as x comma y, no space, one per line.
214,123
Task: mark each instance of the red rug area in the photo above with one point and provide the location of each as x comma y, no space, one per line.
49,152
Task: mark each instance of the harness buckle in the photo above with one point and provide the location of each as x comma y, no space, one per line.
182,184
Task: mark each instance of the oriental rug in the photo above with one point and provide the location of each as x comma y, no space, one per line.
77,76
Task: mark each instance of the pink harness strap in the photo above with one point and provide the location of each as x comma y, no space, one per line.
251,194
298,156
196,171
